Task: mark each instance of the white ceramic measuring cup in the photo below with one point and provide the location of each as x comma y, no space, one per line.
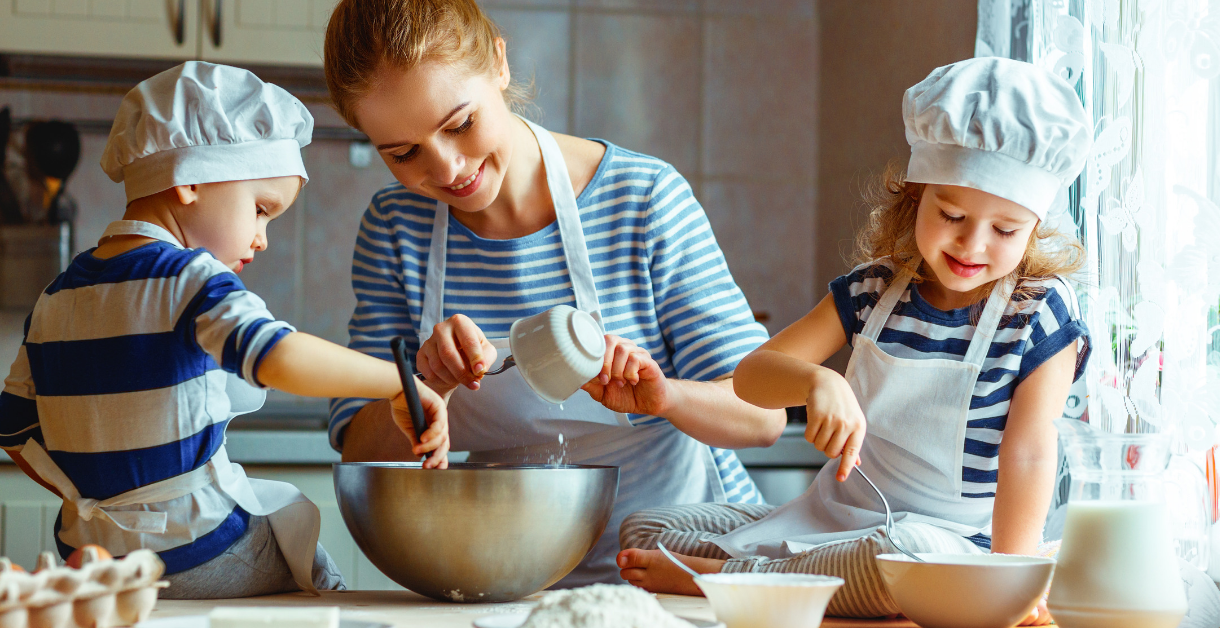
557,351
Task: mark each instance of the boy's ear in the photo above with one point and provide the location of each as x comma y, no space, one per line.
187,194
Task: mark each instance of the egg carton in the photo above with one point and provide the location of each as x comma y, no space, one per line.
102,593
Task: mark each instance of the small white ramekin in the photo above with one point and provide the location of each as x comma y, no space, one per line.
768,600
557,351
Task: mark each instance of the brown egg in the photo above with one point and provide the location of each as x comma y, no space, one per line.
88,554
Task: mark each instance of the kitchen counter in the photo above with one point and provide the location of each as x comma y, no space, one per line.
408,610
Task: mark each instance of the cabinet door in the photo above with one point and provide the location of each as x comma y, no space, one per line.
163,29
264,32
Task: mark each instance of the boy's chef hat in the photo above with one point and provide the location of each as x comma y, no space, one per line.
202,123
1005,127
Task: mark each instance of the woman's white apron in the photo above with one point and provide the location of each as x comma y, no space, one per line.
505,421
917,412
294,519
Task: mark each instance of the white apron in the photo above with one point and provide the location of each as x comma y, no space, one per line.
294,519
505,421
917,413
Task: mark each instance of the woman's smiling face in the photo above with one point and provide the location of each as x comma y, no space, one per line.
969,238
443,131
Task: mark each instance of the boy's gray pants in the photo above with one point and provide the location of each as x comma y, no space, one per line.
251,566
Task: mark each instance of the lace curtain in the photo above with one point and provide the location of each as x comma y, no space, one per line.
1147,207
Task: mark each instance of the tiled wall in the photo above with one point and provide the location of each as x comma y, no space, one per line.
771,108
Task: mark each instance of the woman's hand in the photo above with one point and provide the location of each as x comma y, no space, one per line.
435,440
836,422
630,381
457,354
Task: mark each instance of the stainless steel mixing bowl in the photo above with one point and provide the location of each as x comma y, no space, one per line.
475,532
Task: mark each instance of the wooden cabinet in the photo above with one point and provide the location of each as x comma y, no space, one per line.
258,32
167,29
267,32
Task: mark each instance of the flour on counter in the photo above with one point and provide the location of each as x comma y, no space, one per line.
602,606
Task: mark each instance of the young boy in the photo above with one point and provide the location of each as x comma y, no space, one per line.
136,357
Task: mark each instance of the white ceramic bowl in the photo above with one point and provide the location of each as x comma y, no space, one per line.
966,590
557,351
768,600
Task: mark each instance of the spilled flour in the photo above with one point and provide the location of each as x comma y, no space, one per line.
602,606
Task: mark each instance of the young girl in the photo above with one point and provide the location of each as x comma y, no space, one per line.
136,358
965,341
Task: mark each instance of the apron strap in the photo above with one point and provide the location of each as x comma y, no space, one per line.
131,521
889,298
984,331
140,228
571,235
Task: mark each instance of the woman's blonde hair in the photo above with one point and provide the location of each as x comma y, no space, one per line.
890,233
364,36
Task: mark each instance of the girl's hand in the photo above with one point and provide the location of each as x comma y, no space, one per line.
435,440
457,354
630,381
836,422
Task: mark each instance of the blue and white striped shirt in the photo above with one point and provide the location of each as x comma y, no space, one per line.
1031,331
661,280
124,378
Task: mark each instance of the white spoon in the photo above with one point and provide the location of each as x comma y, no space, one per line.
674,559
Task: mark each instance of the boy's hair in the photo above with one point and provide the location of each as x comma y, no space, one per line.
365,36
890,233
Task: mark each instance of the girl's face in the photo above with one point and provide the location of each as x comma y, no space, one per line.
230,218
445,133
970,238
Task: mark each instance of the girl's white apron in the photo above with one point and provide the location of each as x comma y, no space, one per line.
917,412
294,519
505,421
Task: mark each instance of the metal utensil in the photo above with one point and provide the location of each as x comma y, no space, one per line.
508,363
889,519
475,532
398,346
674,560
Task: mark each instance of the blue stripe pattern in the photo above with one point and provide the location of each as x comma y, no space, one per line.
1030,332
661,280
121,377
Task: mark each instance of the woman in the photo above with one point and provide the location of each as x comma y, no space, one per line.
492,219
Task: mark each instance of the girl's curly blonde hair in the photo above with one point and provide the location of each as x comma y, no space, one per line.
890,232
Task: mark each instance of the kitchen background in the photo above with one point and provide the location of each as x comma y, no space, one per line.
778,112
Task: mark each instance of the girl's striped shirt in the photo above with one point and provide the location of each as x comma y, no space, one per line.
1031,331
662,281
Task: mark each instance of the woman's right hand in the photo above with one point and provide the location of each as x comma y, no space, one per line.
457,354
836,422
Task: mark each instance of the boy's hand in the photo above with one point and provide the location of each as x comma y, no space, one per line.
435,440
836,422
456,354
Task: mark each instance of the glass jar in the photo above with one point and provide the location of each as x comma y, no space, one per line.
1117,567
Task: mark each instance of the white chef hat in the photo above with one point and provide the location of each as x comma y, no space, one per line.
202,123
1005,127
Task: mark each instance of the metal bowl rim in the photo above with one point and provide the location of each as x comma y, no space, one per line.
475,466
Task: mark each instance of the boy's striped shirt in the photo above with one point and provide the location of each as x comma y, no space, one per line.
125,377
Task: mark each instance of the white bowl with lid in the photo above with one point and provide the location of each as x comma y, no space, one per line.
557,351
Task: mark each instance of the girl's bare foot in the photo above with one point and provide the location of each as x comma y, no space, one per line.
651,571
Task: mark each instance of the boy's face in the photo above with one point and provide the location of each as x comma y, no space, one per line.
230,218
969,237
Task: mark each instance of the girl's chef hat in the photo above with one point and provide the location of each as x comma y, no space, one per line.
1005,127
202,123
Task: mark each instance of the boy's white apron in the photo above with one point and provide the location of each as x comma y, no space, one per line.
294,519
917,412
505,421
